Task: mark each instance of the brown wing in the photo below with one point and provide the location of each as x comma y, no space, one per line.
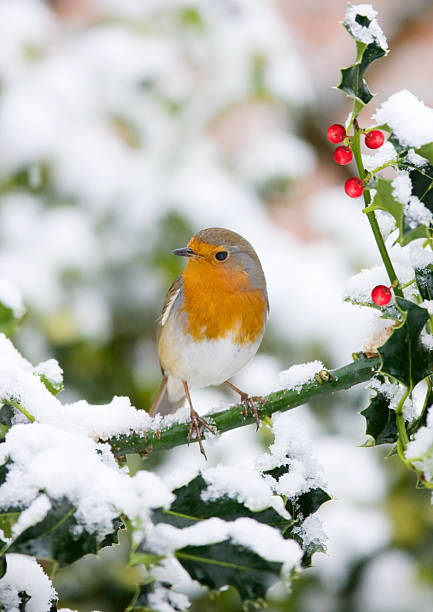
170,298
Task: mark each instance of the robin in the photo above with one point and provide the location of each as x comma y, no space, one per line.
212,321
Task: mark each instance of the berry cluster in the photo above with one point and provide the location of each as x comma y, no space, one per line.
336,133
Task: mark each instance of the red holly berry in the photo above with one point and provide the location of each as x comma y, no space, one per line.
374,139
336,133
354,187
343,155
381,295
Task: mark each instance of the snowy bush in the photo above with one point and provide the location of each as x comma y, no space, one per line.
112,167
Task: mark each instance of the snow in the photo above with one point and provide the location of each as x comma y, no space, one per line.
258,537
416,213
11,298
296,376
246,485
77,468
385,154
25,574
292,447
402,187
408,117
366,34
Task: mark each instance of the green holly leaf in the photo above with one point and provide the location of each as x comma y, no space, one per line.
422,184
352,81
424,281
217,565
403,355
426,151
381,420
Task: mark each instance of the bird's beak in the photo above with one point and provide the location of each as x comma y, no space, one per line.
184,252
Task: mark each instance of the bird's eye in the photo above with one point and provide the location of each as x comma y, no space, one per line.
221,255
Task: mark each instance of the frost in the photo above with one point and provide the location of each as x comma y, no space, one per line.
11,298
365,33
298,375
409,118
25,574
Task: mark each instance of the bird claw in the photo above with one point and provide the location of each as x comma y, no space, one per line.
194,428
249,402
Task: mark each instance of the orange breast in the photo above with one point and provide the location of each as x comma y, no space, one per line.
220,301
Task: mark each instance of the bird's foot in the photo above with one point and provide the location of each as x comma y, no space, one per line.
249,403
194,428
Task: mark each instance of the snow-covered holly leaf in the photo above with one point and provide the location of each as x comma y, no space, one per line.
381,420
424,281
189,507
151,595
403,355
225,563
58,536
371,44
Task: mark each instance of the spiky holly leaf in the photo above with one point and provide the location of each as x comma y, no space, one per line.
225,563
403,355
352,81
381,420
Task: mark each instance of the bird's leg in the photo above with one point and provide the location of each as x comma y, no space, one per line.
249,401
196,422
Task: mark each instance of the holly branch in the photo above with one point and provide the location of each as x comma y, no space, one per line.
324,383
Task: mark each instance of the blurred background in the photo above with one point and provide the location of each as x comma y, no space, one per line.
125,127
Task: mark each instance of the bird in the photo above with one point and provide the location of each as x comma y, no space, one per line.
212,322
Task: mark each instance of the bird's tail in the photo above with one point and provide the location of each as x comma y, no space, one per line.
162,404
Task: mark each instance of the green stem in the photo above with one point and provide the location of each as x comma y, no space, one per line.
356,147
177,434
21,408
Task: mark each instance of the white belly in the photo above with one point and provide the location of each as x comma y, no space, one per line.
209,362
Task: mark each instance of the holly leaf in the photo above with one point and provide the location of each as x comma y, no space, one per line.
426,151
403,355
381,420
424,281
422,184
217,565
